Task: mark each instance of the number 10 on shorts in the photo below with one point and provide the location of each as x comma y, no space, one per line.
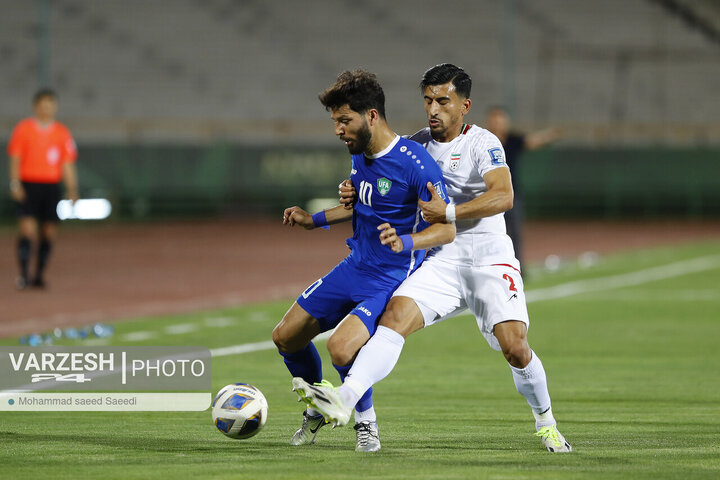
311,288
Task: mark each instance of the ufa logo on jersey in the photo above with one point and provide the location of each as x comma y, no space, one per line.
454,161
383,185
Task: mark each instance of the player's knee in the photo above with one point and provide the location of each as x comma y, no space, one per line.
341,353
517,352
395,316
280,339
399,317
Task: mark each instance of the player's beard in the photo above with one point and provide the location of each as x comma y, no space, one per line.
362,140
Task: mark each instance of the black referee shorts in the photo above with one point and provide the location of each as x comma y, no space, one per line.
41,200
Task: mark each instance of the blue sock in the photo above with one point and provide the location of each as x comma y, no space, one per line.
305,363
365,401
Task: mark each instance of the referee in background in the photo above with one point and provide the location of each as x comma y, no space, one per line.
515,144
42,154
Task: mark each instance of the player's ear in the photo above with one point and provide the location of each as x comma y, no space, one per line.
466,104
372,116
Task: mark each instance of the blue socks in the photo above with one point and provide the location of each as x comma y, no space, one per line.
305,363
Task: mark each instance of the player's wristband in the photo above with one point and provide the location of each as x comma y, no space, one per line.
319,219
450,213
407,242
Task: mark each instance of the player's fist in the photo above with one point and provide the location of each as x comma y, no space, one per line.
297,216
348,195
433,211
17,192
389,237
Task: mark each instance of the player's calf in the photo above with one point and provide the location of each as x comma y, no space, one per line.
512,337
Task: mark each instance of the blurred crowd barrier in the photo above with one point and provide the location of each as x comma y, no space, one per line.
159,181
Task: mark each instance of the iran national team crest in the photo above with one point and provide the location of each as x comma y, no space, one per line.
384,186
454,161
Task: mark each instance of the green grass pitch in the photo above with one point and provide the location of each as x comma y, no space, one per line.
633,373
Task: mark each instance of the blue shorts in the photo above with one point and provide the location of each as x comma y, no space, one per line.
348,289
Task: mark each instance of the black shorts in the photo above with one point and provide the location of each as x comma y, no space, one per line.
41,200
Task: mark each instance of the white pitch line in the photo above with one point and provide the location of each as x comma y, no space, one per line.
255,347
647,275
218,322
180,328
138,336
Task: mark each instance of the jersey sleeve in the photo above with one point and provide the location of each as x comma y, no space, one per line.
69,147
425,170
489,154
16,145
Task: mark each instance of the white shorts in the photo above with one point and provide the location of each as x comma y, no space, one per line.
494,294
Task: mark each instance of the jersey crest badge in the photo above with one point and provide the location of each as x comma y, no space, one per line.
383,185
454,161
497,156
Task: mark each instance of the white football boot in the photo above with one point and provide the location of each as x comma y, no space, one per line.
324,398
368,438
553,440
308,431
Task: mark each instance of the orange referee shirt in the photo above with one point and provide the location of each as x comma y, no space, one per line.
42,151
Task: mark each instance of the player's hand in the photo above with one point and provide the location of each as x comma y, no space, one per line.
297,216
73,197
388,236
434,210
348,195
17,192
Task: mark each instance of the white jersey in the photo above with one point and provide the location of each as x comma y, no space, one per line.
464,160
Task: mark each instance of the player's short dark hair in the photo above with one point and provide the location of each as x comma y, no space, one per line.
447,72
44,93
358,89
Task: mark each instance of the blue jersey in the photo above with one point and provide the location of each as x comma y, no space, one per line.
389,185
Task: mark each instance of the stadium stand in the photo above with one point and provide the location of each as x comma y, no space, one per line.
203,70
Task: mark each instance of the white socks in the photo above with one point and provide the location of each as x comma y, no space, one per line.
545,419
531,383
374,362
381,353
366,416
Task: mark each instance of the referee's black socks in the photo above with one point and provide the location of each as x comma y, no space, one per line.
23,251
44,251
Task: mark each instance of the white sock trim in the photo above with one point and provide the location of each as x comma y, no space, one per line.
544,419
391,335
366,416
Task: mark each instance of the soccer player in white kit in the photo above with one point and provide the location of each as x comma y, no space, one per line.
478,271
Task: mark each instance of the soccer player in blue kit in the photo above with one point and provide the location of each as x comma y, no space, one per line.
388,243
477,272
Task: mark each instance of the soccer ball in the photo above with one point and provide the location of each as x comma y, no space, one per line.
239,410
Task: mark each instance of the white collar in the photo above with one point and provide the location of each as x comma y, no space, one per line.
387,149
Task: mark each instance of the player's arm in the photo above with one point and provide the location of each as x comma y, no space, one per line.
497,199
541,138
297,216
70,179
17,192
433,236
